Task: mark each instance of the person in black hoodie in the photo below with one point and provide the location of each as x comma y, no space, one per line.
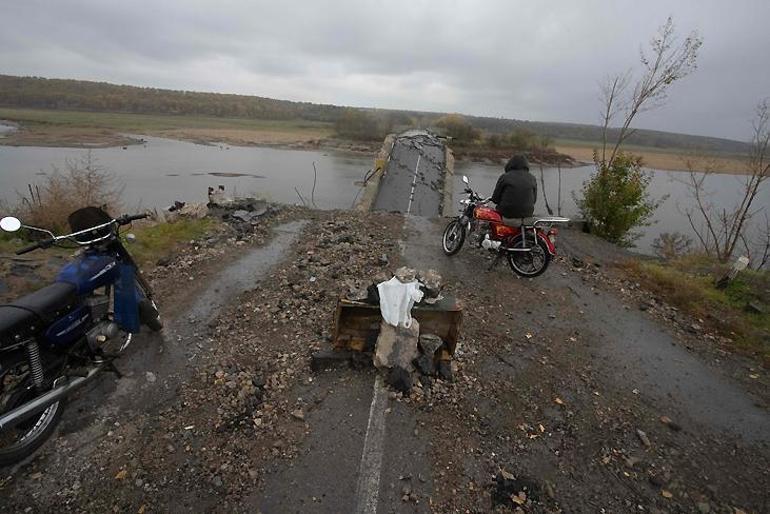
516,192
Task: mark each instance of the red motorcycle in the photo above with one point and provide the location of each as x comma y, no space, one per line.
528,245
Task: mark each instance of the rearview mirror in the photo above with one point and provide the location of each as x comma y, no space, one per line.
465,179
10,224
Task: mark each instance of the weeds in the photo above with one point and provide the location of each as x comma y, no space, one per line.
156,241
82,183
688,284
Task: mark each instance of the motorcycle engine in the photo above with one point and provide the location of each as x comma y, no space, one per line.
482,232
103,335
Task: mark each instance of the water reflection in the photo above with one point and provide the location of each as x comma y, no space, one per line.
162,170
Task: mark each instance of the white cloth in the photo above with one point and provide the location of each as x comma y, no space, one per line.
396,301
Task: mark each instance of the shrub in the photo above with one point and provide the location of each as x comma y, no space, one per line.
82,183
615,199
360,125
458,128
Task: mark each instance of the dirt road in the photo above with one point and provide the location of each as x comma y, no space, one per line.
560,381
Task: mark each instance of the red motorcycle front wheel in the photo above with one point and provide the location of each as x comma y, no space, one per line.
453,238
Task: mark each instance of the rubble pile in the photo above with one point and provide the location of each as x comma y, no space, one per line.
404,351
241,402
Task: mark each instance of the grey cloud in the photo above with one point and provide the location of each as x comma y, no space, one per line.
521,59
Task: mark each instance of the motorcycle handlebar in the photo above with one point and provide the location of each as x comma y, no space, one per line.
126,219
34,246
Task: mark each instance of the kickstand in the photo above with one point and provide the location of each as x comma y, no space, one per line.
109,365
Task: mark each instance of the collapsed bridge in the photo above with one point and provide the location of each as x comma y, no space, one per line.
413,174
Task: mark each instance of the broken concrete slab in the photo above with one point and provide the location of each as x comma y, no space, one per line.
425,365
396,346
429,343
400,379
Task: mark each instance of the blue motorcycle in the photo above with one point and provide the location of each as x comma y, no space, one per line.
60,337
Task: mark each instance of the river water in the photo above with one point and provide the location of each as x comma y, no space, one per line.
162,170
725,191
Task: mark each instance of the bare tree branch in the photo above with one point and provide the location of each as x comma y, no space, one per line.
670,62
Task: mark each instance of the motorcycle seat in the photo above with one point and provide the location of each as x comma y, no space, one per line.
29,314
519,222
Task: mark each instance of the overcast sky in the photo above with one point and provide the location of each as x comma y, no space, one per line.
516,59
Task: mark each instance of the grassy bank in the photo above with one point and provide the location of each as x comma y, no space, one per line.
671,159
23,275
71,128
688,284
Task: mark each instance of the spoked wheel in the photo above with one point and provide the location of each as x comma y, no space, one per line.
20,441
531,263
453,238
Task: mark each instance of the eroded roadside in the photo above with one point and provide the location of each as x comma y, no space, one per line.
204,413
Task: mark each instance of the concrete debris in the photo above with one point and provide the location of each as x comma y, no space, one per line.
406,275
194,210
445,371
330,359
396,346
400,379
432,283
355,291
429,344
643,438
425,365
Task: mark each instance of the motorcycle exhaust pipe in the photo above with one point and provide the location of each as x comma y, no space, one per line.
42,402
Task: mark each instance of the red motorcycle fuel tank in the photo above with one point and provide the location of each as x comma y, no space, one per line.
487,214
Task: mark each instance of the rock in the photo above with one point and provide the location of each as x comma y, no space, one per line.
755,308
298,414
643,438
194,210
164,261
383,260
216,481
330,359
150,377
657,480
704,507
445,371
396,346
404,274
425,365
400,379
577,263
429,343
432,283
670,424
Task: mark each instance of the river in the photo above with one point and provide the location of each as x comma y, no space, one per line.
162,170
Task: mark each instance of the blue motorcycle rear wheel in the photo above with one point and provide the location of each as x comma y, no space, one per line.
19,442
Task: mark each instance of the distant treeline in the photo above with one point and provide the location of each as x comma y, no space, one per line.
80,95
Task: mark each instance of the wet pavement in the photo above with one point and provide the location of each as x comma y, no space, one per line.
414,176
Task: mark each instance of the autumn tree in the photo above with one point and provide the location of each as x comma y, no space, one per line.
615,200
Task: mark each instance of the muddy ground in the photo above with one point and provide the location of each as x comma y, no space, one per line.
561,382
